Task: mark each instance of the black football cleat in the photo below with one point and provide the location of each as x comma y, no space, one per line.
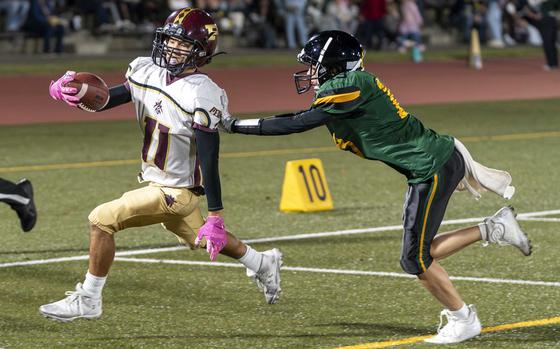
27,213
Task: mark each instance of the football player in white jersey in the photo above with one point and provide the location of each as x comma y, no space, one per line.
180,110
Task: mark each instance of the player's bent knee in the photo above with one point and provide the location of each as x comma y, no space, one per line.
93,228
103,219
411,266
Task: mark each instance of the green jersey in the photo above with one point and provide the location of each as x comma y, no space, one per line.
384,131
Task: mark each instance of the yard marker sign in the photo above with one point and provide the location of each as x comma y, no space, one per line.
305,187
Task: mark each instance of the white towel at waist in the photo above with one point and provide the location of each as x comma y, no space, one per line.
479,178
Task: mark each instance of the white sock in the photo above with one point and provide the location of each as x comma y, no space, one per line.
94,284
462,313
252,259
483,231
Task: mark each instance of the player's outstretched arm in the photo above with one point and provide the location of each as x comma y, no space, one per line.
281,124
208,148
118,95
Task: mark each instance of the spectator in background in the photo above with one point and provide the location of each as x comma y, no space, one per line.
127,9
154,11
409,28
136,10
494,20
316,19
467,15
518,28
96,9
372,13
439,8
539,13
294,17
391,23
548,26
236,16
344,15
43,22
477,18
260,19
16,13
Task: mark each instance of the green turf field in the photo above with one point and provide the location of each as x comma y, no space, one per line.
160,305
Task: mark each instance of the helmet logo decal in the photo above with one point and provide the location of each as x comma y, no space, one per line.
181,15
212,31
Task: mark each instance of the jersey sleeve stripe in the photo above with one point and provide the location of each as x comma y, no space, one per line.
339,98
337,91
344,106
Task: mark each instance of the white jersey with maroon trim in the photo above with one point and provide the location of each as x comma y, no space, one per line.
167,113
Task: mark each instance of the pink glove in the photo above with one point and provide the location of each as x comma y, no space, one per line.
60,92
215,233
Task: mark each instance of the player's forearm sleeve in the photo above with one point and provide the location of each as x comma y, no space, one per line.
283,125
118,95
208,149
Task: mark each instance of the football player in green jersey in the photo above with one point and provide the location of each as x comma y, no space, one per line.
364,118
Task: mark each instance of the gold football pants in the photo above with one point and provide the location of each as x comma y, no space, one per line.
175,208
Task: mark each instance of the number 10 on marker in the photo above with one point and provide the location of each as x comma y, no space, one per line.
305,187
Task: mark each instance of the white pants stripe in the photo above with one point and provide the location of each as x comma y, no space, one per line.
15,198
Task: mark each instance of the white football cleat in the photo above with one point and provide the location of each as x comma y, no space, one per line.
78,305
502,228
457,330
268,276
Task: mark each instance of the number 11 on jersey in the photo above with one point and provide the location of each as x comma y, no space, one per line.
156,143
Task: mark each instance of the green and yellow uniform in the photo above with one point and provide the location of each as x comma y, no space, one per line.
384,131
364,118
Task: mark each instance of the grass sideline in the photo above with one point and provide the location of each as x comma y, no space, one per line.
178,306
32,65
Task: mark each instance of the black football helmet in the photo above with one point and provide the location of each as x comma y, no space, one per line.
190,25
327,54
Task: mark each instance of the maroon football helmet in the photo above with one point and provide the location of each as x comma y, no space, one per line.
189,25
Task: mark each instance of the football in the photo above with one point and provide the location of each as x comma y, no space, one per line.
92,91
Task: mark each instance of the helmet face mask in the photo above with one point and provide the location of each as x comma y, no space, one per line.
168,52
187,41
306,79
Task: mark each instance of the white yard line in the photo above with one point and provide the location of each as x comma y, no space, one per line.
539,214
44,261
339,271
536,219
523,216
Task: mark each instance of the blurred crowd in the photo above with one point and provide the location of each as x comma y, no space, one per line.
378,24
